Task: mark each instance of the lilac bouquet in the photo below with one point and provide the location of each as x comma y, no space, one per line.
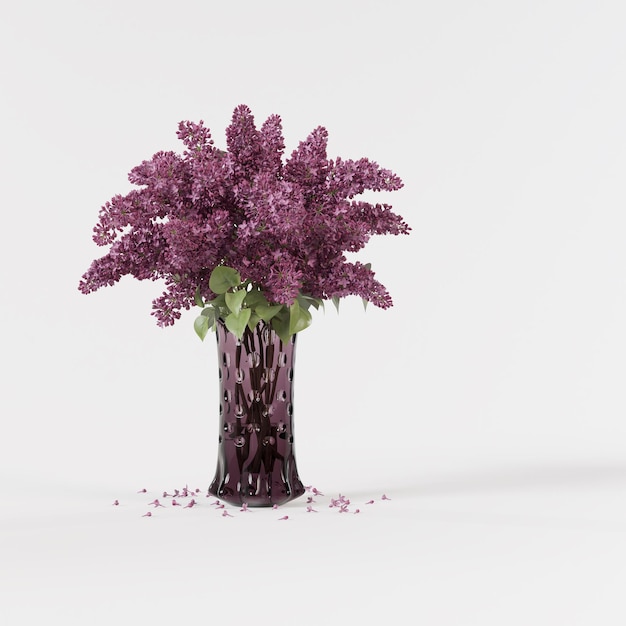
242,234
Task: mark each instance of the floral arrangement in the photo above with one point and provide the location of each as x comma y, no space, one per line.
242,234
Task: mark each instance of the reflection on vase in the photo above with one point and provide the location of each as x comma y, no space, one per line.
256,463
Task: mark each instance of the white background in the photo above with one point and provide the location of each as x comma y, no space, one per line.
488,403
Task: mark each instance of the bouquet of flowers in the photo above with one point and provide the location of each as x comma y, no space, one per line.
242,234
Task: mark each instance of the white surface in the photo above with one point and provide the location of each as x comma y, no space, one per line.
488,403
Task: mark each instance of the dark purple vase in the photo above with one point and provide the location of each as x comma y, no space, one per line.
256,463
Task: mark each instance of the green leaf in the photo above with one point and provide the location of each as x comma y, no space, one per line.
336,301
201,326
234,300
198,297
253,321
219,302
211,314
255,298
224,278
280,323
267,312
237,323
308,301
299,318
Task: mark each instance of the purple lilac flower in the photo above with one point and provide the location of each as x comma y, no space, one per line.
283,224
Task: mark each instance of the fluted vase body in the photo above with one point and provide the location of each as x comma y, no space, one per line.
256,463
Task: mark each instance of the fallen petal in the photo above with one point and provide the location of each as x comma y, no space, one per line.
148,514
116,502
280,519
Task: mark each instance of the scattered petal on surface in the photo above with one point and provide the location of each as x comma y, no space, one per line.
385,497
310,509
310,500
142,491
357,511
116,502
275,507
148,514
226,514
316,492
280,519
174,503
244,508
191,503
370,502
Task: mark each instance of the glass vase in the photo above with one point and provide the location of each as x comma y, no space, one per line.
256,464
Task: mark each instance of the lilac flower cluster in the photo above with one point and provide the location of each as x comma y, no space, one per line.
285,226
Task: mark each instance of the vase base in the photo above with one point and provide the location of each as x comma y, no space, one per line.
279,495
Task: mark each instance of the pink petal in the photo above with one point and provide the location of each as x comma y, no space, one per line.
142,491
283,518
116,502
370,502
148,514
385,497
